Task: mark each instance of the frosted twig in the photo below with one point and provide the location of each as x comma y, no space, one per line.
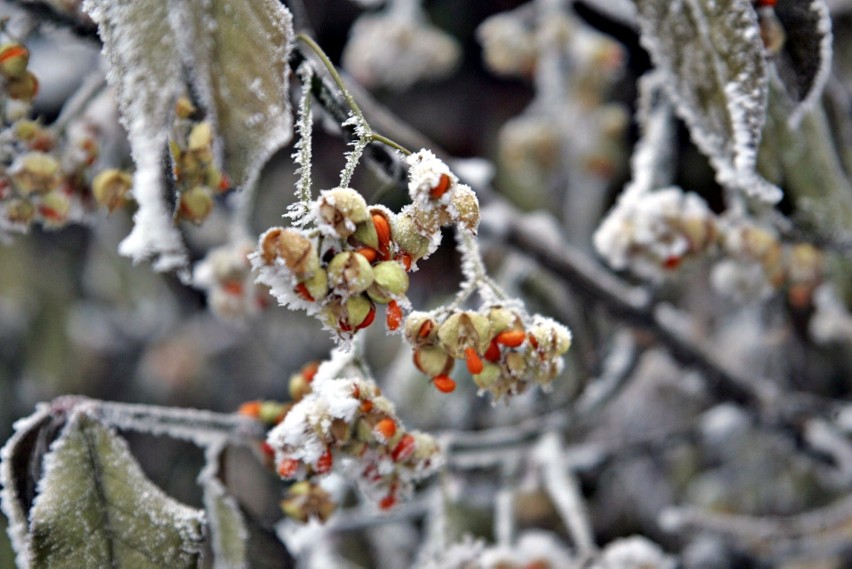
565,493
818,533
299,210
504,516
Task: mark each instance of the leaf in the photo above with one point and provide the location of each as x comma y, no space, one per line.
233,53
238,539
239,53
19,470
96,508
713,60
805,61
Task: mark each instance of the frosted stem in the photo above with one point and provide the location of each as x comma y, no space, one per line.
565,493
300,210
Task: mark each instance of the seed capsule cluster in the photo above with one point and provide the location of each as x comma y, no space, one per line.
347,422
197,178
356,256
44,178
503,349
225,275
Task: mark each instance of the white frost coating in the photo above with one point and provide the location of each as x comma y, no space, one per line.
831,321
397,50
425,171
648,232
718,81
651,162
9,500
146,81
634,552
532,548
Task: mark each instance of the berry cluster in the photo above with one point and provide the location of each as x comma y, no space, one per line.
197,178
44,176
348,422
503,349
357,256
225,275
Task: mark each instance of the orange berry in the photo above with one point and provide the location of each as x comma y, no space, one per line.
366,406
444,383
324,462
511,338
368,320
492,354
308,371
394,316
425,329
250,409
671,263
234,288
403,449
441,188
302,291
384,234
287,468
405,259
386,428
474,363
368,253
387,502
267,449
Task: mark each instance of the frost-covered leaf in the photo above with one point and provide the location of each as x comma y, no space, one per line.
238,54
805,62
146,76
96,508
238,539
20,469
233,53
227,527
713,59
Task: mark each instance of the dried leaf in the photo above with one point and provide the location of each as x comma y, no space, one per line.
713,59
96,508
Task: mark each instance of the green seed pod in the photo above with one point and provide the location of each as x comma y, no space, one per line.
502,319
350,273
26,129
271,412
14,59
408,238
317,284
184,108
341,210
490,374
364,431
195,204
35,173
357,309
365,232
110,188
23,88
200,138
516,363
421,329
298,386
20,211
465,330
390,277
467,207
54,208
298,251
432,361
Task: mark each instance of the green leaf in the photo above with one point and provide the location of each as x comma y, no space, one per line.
96,508
713,58
238,54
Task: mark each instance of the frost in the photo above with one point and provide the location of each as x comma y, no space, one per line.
634,553
397,50
150,44
716,75
831,321
95,508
